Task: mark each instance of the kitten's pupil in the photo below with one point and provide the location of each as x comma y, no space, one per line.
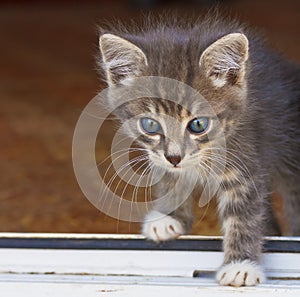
198,125
150,126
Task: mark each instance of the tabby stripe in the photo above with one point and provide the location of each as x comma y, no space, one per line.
230,204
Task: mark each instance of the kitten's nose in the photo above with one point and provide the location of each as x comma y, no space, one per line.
175,160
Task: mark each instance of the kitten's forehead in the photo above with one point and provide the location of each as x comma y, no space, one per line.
170,109
184,108
166,110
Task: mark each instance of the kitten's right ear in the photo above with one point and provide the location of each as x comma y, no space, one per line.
224,61
121,59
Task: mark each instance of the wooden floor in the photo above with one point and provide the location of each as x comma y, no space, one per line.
47,76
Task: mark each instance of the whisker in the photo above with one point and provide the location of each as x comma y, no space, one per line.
114,191
133,161
241,167
209,171
148,191
137,185
125,152
125,187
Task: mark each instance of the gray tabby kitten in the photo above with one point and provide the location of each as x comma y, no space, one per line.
256,95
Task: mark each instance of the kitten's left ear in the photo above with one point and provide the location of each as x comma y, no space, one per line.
224,61
121,58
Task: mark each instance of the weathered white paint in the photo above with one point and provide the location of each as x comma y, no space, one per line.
171,263
25,272
159,263
122,286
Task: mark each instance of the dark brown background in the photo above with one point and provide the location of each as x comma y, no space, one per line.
47,76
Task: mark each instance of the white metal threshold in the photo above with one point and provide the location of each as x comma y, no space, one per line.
127,265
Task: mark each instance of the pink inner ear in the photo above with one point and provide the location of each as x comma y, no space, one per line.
121,58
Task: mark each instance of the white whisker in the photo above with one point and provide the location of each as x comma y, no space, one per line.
128,182
124,166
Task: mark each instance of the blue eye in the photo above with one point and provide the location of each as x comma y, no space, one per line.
198,126
150,126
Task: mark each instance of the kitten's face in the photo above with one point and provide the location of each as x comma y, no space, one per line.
175,136
174,142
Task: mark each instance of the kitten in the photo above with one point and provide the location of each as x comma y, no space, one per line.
256,95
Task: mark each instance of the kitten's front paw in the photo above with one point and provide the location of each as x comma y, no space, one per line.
244,273
159,227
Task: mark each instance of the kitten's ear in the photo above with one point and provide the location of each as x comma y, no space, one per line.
224,61
121,58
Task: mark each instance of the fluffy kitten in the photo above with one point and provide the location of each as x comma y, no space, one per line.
256,95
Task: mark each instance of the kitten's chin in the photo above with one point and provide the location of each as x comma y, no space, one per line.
169,168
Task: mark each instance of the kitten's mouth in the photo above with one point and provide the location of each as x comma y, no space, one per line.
172,168
176,166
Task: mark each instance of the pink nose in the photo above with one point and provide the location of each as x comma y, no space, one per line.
174,160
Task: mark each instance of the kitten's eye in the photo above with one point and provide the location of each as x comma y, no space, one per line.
198,126
150,126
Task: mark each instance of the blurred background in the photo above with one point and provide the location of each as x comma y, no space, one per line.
48,75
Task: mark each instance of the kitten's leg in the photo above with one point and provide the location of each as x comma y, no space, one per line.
166,221
241,209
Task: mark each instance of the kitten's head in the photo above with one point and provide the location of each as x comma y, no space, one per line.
177,134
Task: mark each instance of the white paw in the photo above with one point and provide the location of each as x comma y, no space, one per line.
160,227
244,273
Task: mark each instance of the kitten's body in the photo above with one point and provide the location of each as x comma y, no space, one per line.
257,99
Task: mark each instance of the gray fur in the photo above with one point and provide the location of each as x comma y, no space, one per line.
260,116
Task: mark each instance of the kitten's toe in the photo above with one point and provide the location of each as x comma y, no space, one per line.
244,273
159,227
